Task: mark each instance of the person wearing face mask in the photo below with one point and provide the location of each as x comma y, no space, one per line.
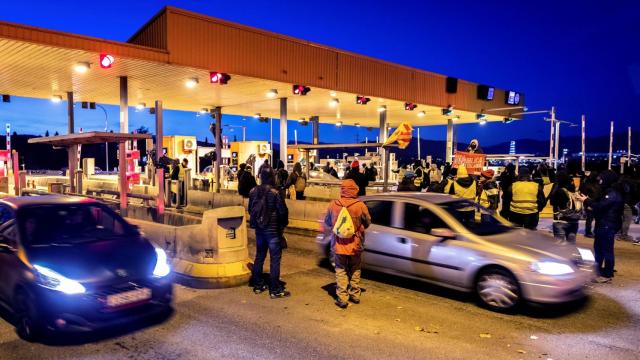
607,213
474,147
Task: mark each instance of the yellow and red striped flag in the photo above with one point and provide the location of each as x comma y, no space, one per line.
402,135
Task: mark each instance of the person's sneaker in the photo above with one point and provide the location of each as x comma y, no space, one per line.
354,300
636,242
341,305
602,280
280,294
259,289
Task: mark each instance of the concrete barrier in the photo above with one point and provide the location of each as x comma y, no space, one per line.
212,254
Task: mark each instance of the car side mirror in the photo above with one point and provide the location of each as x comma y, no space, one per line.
444,233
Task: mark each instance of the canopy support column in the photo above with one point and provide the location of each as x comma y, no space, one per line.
283,130
449,148
384,152
70,114
122,146
159,153
315,136
72,152
217,114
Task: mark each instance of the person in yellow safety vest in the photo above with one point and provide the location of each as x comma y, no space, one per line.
464,187
488,196
527,199
418,171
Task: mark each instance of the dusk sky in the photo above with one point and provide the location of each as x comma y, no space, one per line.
583,57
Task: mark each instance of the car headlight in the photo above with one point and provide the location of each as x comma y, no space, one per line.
54,281
586,255
551,268
162,268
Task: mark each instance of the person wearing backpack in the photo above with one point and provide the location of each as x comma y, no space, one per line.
566,210
281,179
268,216
298,180
348,217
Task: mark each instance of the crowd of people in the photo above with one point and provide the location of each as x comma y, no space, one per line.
606,198
607,201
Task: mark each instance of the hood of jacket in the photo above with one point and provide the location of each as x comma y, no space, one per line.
349,189
465,181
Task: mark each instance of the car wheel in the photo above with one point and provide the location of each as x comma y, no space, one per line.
28,326
498,290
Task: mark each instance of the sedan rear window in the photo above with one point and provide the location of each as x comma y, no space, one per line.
43,225
475,218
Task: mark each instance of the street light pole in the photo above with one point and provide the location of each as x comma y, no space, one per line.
551,141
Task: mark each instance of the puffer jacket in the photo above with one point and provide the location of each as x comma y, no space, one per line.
279,214
608,210
359,215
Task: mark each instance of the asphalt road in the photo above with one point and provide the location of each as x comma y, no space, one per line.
397,319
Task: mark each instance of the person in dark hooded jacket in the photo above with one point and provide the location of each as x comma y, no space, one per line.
590,188
359,178
269,234
246,182
281,177
607,212
407,183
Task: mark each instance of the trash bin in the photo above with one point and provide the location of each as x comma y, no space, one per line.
213,254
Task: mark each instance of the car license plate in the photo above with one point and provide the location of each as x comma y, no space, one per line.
129,297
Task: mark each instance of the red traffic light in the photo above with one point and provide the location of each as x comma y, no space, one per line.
361,100
219,78
301,90
410,106
106,61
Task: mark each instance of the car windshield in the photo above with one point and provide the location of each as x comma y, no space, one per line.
476,218
68,224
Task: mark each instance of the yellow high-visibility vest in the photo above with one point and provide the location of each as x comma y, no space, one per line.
524,197
418,180
180,172
465,193
483,199
447,187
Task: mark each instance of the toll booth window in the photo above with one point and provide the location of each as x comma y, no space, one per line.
380,212
421,220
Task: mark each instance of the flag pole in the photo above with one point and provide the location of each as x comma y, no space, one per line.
610,145
583,133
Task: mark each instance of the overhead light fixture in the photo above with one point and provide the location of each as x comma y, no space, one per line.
409,106
339,124
203,111
357,124
141,106
191,83
219,77
333,93
81,67
263,119
508,120
455,118
303,122
482,118
6,98
382,108
272,93
106,61
301,90
256,116
56,99
334,102
447,111
362,100
422,114
152,110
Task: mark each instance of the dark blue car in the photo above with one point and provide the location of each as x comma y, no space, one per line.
73,264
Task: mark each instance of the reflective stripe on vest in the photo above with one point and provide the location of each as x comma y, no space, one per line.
484,197
418,180
465,193
524,197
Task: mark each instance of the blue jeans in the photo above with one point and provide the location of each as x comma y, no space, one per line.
565,232
603,242
272,244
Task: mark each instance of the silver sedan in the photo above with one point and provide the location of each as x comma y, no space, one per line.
457,244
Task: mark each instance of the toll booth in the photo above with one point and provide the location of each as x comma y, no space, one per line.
240,151
181,147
